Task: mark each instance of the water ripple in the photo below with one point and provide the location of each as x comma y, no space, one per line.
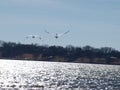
34,75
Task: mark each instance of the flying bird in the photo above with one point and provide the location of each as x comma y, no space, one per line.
33,36
57,35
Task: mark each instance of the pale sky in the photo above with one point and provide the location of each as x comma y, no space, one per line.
91,22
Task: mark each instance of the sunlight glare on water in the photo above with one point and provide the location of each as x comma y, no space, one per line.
39,75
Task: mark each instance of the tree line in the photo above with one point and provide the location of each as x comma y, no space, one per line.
87,54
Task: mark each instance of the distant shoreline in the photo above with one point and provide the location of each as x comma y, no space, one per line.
33,52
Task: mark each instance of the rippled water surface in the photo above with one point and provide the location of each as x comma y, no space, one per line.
38,75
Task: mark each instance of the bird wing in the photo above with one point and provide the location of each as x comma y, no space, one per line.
63,33
47,32
53,34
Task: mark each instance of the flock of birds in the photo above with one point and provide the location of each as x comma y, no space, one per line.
38,37
56,36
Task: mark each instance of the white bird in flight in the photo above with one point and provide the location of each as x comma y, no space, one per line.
33,36
57,35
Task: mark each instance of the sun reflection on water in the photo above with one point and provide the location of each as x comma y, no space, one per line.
40,75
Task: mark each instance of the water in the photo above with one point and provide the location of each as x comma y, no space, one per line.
38,75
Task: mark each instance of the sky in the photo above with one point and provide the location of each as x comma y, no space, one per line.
91,22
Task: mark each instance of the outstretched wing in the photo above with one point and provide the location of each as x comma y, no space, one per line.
52,34
47,32
63,33
67,32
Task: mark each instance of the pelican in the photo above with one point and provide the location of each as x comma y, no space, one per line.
57,35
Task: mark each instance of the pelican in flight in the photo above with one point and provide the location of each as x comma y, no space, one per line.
33,36
57,35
